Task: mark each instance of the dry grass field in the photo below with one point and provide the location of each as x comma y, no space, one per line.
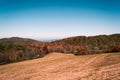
58,66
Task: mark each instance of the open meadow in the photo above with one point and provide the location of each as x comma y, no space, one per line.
58,66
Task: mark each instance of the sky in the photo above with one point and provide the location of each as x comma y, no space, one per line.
55,19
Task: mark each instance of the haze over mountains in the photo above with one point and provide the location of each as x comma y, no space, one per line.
58,18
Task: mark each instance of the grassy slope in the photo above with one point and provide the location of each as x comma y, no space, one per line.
56,66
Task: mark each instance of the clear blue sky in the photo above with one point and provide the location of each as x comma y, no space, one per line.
49,19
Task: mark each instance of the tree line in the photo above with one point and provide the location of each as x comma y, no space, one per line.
19,49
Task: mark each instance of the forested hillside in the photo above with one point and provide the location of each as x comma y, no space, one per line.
18,49
90,44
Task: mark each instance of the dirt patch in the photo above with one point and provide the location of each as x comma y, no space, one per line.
59,66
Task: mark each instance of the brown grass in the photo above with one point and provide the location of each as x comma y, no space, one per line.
58,66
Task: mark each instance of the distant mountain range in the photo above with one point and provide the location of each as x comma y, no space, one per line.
18,49
17,40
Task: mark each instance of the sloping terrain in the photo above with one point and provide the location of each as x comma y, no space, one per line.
97,43
58,66
17,49
18,41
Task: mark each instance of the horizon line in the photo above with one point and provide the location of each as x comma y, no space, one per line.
50,39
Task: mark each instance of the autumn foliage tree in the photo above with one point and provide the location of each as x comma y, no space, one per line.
19,49
80,50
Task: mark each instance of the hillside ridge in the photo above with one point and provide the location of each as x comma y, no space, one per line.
18,49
